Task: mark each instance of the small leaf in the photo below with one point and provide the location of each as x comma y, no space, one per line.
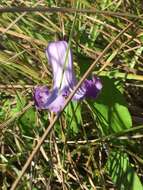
73,116
28,121
111,109
20,103
121,171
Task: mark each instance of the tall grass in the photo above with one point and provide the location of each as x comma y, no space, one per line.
94,144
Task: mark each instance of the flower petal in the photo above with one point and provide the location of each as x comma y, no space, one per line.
41,95
48,100
57,105
93,87
80,93
62,65
89,89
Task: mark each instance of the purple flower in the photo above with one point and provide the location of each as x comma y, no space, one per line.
60,59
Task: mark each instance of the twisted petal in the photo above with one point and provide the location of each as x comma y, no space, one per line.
89,89
93,87
57,105
41,95
48,100
60,59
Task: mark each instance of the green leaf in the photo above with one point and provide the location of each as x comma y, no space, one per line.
20,103
111,109
73,116
121,171
28,121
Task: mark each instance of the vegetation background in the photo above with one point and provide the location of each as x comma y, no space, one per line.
95,144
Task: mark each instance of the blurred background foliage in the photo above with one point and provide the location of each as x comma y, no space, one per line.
94,144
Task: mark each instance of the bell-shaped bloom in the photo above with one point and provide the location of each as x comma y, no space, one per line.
60,60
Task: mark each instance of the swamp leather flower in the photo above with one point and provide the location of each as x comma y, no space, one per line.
60,59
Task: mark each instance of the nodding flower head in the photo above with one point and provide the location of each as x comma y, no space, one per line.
60,60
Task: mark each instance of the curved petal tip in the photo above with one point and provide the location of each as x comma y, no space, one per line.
93,87
41,94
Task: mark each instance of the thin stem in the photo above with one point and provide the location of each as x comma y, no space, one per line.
65,10
122,75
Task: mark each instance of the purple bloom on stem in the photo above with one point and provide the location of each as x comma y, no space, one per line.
60,59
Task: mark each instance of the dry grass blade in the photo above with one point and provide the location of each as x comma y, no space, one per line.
18,18
22,36
66,10
5,87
